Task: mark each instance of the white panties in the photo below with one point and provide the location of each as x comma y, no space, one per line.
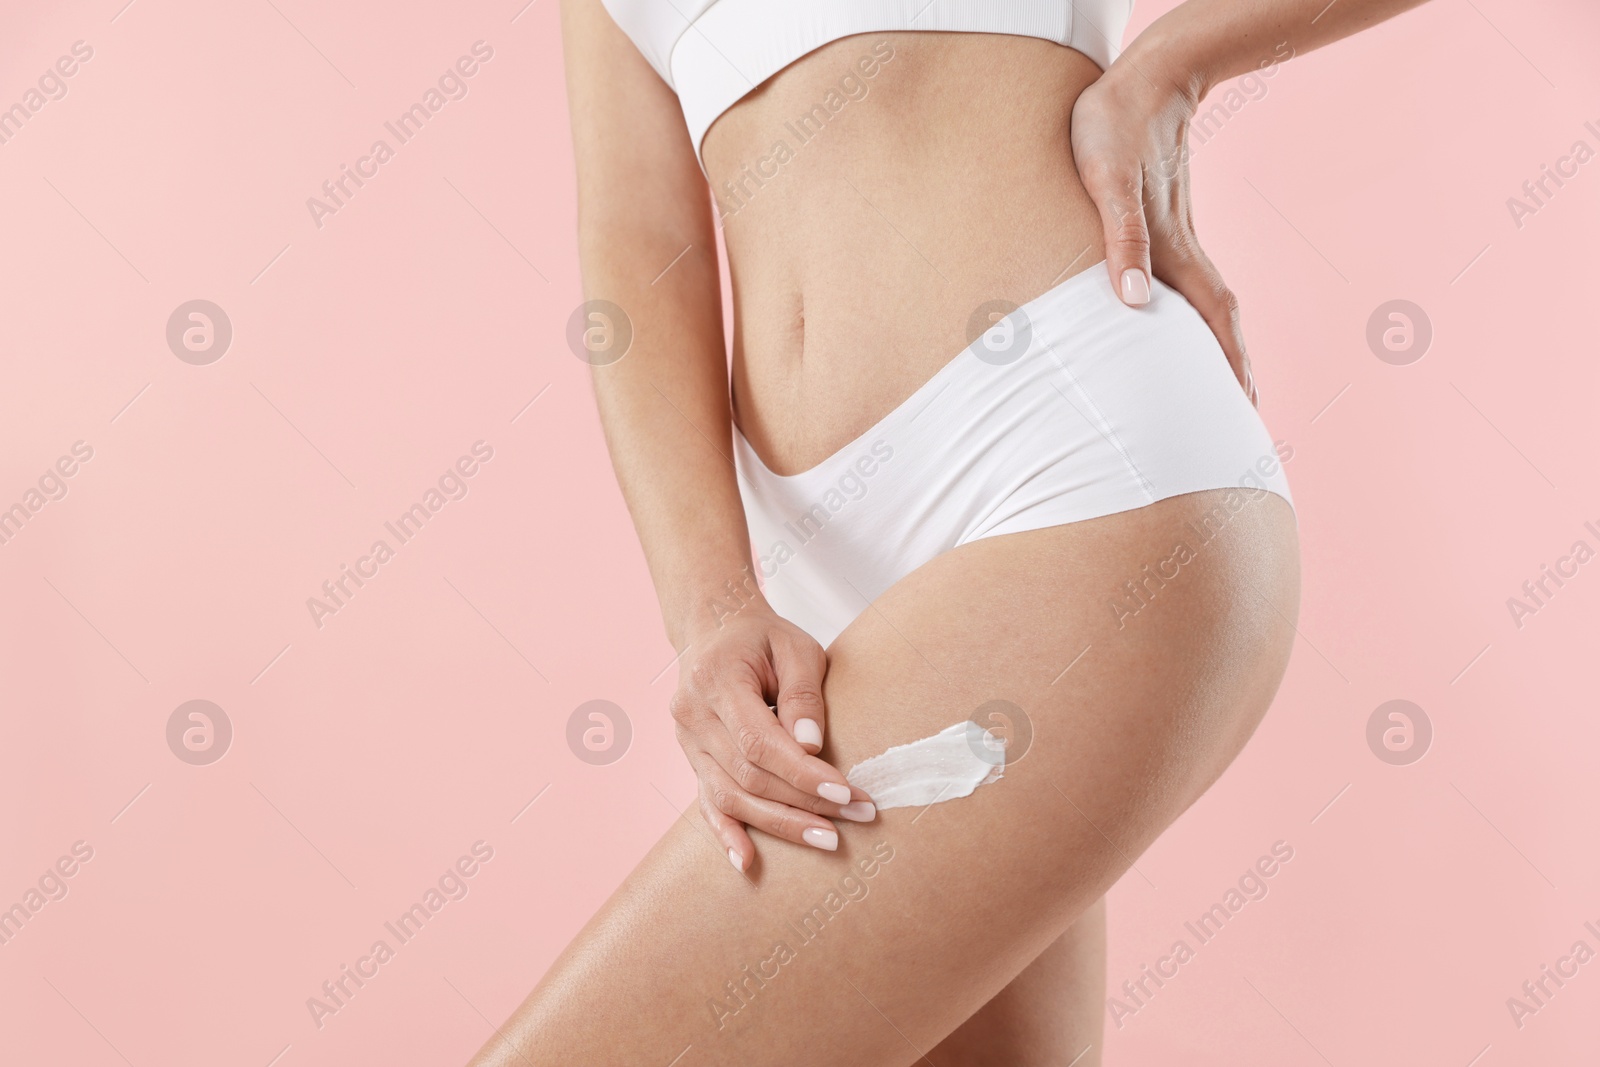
1072,407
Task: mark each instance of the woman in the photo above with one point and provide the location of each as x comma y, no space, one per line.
992,437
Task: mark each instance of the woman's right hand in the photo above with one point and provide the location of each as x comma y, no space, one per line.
757,768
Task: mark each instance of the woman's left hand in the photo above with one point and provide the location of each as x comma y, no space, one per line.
1130,142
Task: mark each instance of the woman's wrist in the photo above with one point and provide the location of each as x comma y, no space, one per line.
1200,44
1156,74
1188,52
706,604
1165,63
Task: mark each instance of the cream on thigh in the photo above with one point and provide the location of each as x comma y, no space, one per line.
873,955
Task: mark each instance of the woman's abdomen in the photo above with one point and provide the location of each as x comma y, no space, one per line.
880,199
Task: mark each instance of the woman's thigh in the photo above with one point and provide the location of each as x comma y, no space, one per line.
1130,704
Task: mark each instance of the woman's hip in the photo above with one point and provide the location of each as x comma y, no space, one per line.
1071,407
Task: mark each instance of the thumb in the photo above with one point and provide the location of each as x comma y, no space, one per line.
800,665
1120,197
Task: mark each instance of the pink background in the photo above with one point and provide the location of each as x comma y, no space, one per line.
372,352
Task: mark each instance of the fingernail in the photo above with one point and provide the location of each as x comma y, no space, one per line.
839,794
807,732
733,858
859,811
1135,286
823,839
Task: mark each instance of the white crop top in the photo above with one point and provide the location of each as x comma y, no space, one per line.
713,52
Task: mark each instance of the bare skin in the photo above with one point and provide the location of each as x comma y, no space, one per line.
975,890
973,167
835,324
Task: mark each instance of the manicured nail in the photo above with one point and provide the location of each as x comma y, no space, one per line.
859,811
1135,286
823,839
807,732
839,794
733,858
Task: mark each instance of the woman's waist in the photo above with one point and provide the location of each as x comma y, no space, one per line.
1074,349
827,338
866,251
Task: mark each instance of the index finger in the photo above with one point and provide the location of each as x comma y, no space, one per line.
800,664
762,742
1118,192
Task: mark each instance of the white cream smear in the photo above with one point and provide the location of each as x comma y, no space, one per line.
947,766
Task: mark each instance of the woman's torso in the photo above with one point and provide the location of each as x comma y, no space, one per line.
873,196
